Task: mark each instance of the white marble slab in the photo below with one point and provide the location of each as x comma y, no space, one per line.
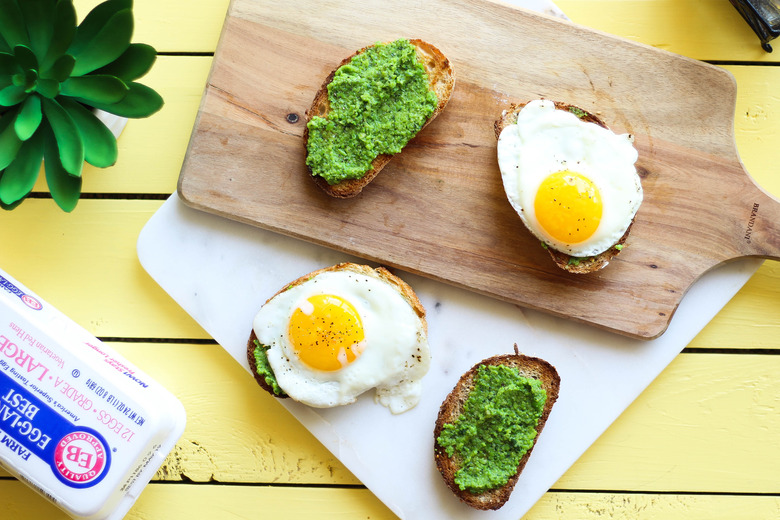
221,272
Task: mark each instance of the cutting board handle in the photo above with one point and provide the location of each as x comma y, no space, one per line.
760,218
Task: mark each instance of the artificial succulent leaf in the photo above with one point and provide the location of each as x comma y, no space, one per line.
96,20
12,95
8,64
30,77
134,63
65,189
102,150
140,101
19,177
48,88
60,70
106,45
9,141
38,17
69,143
101,89
62,32
25,57
12,26
29,118
9,207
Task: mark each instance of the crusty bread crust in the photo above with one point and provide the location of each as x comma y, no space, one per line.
563,260
452,407
380,273
442,82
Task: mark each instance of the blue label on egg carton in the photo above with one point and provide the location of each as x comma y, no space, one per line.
29,300
29,427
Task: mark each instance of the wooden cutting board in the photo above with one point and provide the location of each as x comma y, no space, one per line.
439,208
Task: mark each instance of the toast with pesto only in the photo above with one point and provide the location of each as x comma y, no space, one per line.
471,481
317,137
572,264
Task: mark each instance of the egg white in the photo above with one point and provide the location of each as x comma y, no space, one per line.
396,354
546,140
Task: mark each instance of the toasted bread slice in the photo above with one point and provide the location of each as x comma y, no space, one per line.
380,273
452,407
567,262
441,81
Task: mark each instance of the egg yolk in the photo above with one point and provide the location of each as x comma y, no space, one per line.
326,332
568,206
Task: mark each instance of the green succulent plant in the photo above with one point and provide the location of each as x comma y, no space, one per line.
54,73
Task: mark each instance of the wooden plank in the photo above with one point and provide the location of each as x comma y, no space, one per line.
414,217
750,319
173,25
618,506
757,122
679,435
198,502
85,264
282,503
713,29
707,423
701,29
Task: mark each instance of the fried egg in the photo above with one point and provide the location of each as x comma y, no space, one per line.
341,333
573,183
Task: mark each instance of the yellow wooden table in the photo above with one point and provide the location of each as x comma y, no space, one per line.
700,442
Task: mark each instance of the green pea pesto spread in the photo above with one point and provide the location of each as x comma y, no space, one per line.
577,112
264,368
496,428
378,102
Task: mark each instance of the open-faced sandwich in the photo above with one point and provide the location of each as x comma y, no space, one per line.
571,179
337,332
369,108
488,426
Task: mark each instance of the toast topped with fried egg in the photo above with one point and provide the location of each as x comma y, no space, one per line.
331,335
571,180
